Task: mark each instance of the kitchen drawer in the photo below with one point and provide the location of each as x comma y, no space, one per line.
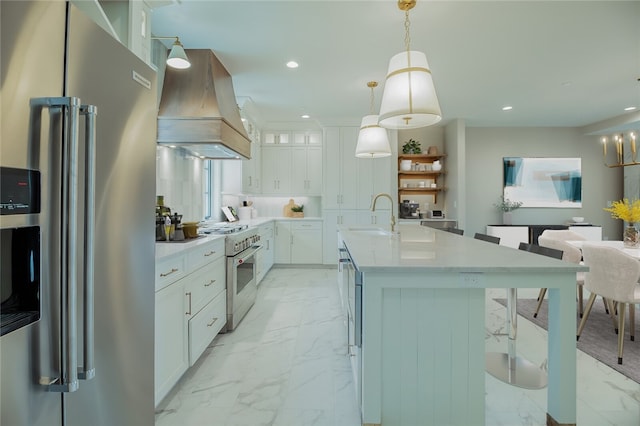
204,284
170,270
266,231
306,226
204,326
205,253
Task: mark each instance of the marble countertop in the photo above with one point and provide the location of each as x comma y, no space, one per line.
164,250
420,248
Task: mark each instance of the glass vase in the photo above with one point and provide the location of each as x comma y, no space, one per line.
506,218
631,236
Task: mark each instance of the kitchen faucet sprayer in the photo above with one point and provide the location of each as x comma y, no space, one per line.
373,208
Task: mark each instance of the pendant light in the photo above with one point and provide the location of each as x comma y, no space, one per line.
409,99
373,141
177,56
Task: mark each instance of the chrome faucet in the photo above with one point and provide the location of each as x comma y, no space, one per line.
373,208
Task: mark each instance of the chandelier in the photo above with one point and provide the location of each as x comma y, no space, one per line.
619,140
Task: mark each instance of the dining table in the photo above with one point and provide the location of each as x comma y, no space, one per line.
608,243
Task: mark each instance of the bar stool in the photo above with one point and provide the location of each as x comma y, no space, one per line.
509,367
487,238
454,230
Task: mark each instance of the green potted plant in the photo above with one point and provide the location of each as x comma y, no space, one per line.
411,147
506,206
298,210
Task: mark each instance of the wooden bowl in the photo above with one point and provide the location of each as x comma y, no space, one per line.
190,229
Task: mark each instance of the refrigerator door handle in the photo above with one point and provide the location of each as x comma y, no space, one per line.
70,107
87,371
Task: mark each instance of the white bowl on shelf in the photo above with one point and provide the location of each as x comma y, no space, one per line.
577,219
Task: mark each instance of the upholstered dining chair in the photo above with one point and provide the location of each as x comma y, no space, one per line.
557,239
613,275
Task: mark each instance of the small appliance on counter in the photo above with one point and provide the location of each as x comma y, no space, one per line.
435,214
409,210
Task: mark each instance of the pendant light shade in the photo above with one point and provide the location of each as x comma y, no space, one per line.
177,57
373,141
409,99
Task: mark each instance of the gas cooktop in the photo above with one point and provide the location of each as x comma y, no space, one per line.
220,228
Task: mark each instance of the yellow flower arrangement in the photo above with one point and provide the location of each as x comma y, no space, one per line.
629,211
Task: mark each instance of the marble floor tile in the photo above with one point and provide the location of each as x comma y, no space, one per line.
286,365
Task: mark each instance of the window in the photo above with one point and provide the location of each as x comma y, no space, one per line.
212,189
207,202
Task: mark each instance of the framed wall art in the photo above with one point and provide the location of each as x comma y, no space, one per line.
543,182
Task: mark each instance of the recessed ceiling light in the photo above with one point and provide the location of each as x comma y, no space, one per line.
507,108
292,64
305,116
631,108
172,146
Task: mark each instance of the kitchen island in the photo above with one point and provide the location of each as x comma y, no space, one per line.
422,353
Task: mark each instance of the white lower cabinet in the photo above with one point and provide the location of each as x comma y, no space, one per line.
333,219
206,324
206,311
266,254
298,242
171,355
306,242
191,308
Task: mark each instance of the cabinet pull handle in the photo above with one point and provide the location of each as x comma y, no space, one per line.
166,274
189,311
209,254
212,322
210,282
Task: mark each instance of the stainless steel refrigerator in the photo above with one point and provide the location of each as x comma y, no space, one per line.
72,97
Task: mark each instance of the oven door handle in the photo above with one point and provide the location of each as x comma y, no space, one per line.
242,257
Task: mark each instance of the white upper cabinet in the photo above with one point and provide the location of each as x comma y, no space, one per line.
306,170
307,138
340,177
374,177
251,171
273,137
276,170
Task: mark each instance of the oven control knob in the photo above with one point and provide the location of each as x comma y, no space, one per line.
236,247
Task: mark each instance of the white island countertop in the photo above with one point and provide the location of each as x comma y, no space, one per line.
415,247
422,311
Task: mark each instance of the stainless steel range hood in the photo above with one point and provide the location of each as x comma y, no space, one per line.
198,110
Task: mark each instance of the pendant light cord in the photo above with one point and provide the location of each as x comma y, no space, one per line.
371,103
407,34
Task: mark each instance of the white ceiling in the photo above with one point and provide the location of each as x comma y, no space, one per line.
558,63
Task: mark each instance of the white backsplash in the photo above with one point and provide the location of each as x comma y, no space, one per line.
268,206
179,177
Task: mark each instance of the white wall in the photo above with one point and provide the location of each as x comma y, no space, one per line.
485,148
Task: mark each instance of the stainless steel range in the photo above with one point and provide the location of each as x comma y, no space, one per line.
241,246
